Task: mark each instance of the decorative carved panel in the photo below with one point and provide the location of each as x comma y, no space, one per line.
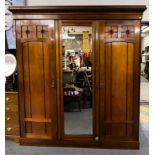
111,31
42,31
27,31
33,31
119,31
127,31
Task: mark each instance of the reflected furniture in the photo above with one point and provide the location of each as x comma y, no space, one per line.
115,74
71,96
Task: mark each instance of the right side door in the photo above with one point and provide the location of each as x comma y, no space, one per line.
119,79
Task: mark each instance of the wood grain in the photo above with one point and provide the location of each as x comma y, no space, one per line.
116,74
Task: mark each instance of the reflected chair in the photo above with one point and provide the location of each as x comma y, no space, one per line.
74,97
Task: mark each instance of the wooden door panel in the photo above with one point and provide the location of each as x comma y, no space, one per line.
130,88
37,84
117,52
108,62
26,77
119,69
118,92
118,89
38,65
36,79
47,87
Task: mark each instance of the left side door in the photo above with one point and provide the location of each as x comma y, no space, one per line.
36,72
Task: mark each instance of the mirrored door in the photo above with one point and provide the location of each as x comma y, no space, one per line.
77,76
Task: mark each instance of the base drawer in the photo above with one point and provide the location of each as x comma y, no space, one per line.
12,129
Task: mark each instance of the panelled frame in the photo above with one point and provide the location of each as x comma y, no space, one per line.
134,85
103,72
94,71
20,56
99,15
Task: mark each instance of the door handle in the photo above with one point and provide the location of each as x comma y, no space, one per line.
101,84
53,84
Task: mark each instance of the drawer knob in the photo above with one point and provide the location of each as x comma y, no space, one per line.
7,98
7,108
96,138
8,118
8,129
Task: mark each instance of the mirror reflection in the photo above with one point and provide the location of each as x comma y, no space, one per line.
77,79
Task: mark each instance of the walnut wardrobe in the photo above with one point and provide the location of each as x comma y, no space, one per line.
56,42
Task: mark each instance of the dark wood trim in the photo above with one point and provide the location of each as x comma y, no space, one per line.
102,76
21,89
58,97
61,83
104,131
79,16
136,79
78,12
76,22
76,9
112,144
95,69
94,105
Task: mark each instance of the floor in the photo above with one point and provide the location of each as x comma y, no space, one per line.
82,125
144,90
13,148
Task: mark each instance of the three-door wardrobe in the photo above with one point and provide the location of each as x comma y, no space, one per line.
79,75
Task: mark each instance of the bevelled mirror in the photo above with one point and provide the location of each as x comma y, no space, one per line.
77,79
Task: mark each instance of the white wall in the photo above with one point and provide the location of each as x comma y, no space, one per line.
91,2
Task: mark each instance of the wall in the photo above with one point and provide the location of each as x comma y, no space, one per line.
92,2
18,2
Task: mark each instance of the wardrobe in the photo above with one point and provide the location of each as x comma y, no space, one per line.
115,41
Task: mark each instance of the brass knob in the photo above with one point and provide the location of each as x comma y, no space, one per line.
8,129
7,108
96,138
8,118
7,98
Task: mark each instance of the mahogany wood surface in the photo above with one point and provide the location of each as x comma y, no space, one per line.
116,74
39,78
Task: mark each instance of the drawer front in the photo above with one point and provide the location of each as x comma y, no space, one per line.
11,107
11,98
11,118
12,129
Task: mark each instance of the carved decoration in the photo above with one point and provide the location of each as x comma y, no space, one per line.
127,31
27,31
119,31
111,31
42,31
35,31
